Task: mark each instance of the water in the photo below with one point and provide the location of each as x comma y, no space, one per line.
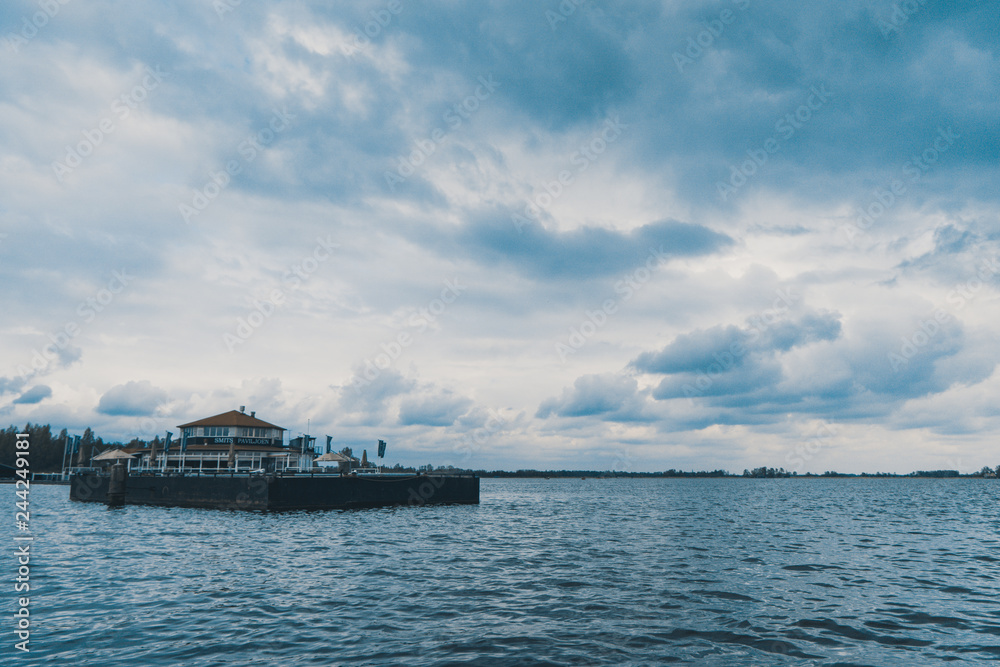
548,572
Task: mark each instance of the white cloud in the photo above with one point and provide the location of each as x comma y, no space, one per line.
157,348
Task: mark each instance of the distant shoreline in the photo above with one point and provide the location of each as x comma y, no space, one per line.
675,474
669,474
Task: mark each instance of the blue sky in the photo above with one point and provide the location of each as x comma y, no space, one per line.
624,235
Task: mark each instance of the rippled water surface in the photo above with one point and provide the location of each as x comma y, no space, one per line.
558,572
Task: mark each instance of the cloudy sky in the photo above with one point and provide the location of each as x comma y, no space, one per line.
622,235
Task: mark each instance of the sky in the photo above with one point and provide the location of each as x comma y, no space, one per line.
626,236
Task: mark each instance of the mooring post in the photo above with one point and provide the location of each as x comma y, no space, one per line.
117,485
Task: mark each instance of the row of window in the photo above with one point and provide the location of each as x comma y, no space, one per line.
225,431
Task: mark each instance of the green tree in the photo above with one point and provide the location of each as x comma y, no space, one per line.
86,447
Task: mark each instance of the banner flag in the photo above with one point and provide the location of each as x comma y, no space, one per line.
166,444
381,448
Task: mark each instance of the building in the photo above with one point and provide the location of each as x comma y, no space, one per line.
231,440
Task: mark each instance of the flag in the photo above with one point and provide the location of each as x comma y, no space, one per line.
381,448
166,444
76,444
69,445
184,440
328,449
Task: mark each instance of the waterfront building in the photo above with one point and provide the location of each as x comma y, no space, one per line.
232,440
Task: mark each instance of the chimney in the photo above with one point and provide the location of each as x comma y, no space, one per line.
253,414
243,408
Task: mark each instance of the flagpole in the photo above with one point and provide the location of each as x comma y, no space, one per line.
65,449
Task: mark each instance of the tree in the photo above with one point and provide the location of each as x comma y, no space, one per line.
86,447
346,451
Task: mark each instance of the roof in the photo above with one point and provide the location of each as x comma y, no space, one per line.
231,418
334,456
112,454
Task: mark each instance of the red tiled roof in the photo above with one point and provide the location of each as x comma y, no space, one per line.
231,418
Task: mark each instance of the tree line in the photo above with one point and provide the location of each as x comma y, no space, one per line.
48,453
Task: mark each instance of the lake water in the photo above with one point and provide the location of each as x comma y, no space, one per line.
548,572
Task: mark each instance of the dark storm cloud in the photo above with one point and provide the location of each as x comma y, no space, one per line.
132,399
8,385
740,376
368,399
965,256
581,253
699,350
610,397
806,111
36,394
888,94
441,409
